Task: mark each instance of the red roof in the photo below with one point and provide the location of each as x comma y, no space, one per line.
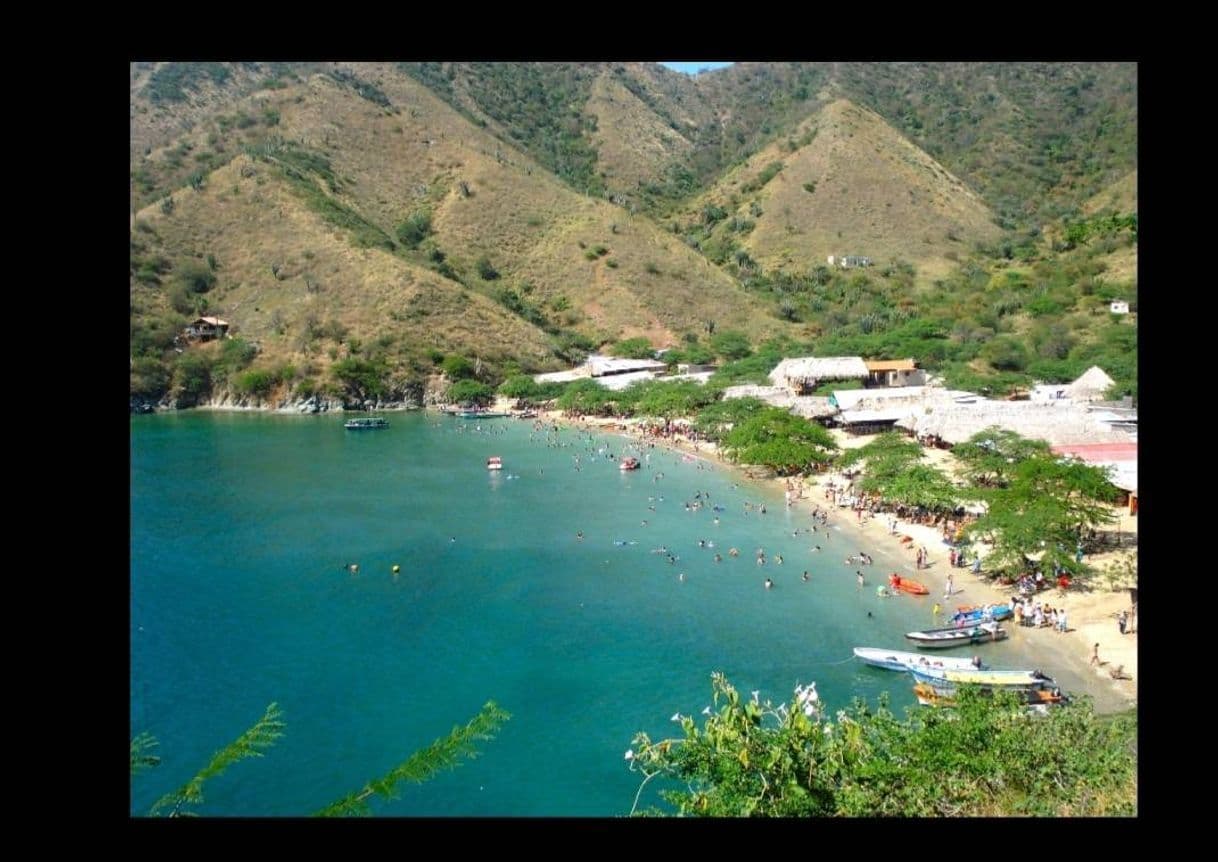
1096,452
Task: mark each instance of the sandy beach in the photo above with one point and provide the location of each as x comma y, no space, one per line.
1091,610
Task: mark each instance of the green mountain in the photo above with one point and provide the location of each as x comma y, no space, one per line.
357,223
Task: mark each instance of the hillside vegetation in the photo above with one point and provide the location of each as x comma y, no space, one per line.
381,217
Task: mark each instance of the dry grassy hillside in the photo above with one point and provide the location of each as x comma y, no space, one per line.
853,185
253,224
510,211
1121,197
633,142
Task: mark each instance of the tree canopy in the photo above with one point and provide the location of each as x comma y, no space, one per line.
775,438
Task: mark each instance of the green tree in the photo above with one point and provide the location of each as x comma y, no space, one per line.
731,345
633,348
414,229
457,367
519,386
718,418
470,392
989,457
775,438
984,757
1042,512
486,269
196,278
585,396
191,378
361,378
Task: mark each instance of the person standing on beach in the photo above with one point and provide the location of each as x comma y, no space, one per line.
947,587
1095,655
1122,621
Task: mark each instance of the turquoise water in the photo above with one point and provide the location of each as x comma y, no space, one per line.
241,527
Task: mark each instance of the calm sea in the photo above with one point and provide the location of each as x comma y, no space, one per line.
241,529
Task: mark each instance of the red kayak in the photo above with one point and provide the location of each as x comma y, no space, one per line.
912,587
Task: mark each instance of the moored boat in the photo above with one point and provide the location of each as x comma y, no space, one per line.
480,414
629,463
973,676
365,423
929,695
906,585
903,661
494,462
950,637
984,613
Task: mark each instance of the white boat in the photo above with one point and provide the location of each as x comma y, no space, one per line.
950,637
902,661
494,462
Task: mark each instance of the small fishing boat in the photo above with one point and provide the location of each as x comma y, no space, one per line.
481,414
365,423
903,661
929,695
494,462
906,585
629,463
984,613
973,676
950,637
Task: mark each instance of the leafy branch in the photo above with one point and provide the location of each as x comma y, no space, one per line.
249,744
445,753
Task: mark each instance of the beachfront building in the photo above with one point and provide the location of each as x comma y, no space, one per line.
610,371
802,375
947,424
1121,461
894,372
872,411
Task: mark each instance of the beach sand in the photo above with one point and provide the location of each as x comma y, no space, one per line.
1066,657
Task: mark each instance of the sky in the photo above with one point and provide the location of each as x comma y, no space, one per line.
692,68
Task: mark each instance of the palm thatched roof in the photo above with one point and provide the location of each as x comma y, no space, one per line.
1057,424
819,368
1092,384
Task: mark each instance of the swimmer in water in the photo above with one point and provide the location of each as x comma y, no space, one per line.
580,535
805,575
769,584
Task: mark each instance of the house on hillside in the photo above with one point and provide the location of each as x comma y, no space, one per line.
1119,306
894,372
609,371
802,375
849,261
206,329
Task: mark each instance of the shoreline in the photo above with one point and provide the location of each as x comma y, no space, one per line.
1065,658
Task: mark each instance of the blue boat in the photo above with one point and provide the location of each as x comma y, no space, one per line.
982,614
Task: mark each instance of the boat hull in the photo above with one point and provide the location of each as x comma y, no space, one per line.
948,638
994,678
907,661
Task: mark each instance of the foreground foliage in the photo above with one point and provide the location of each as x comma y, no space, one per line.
448,752
985,757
